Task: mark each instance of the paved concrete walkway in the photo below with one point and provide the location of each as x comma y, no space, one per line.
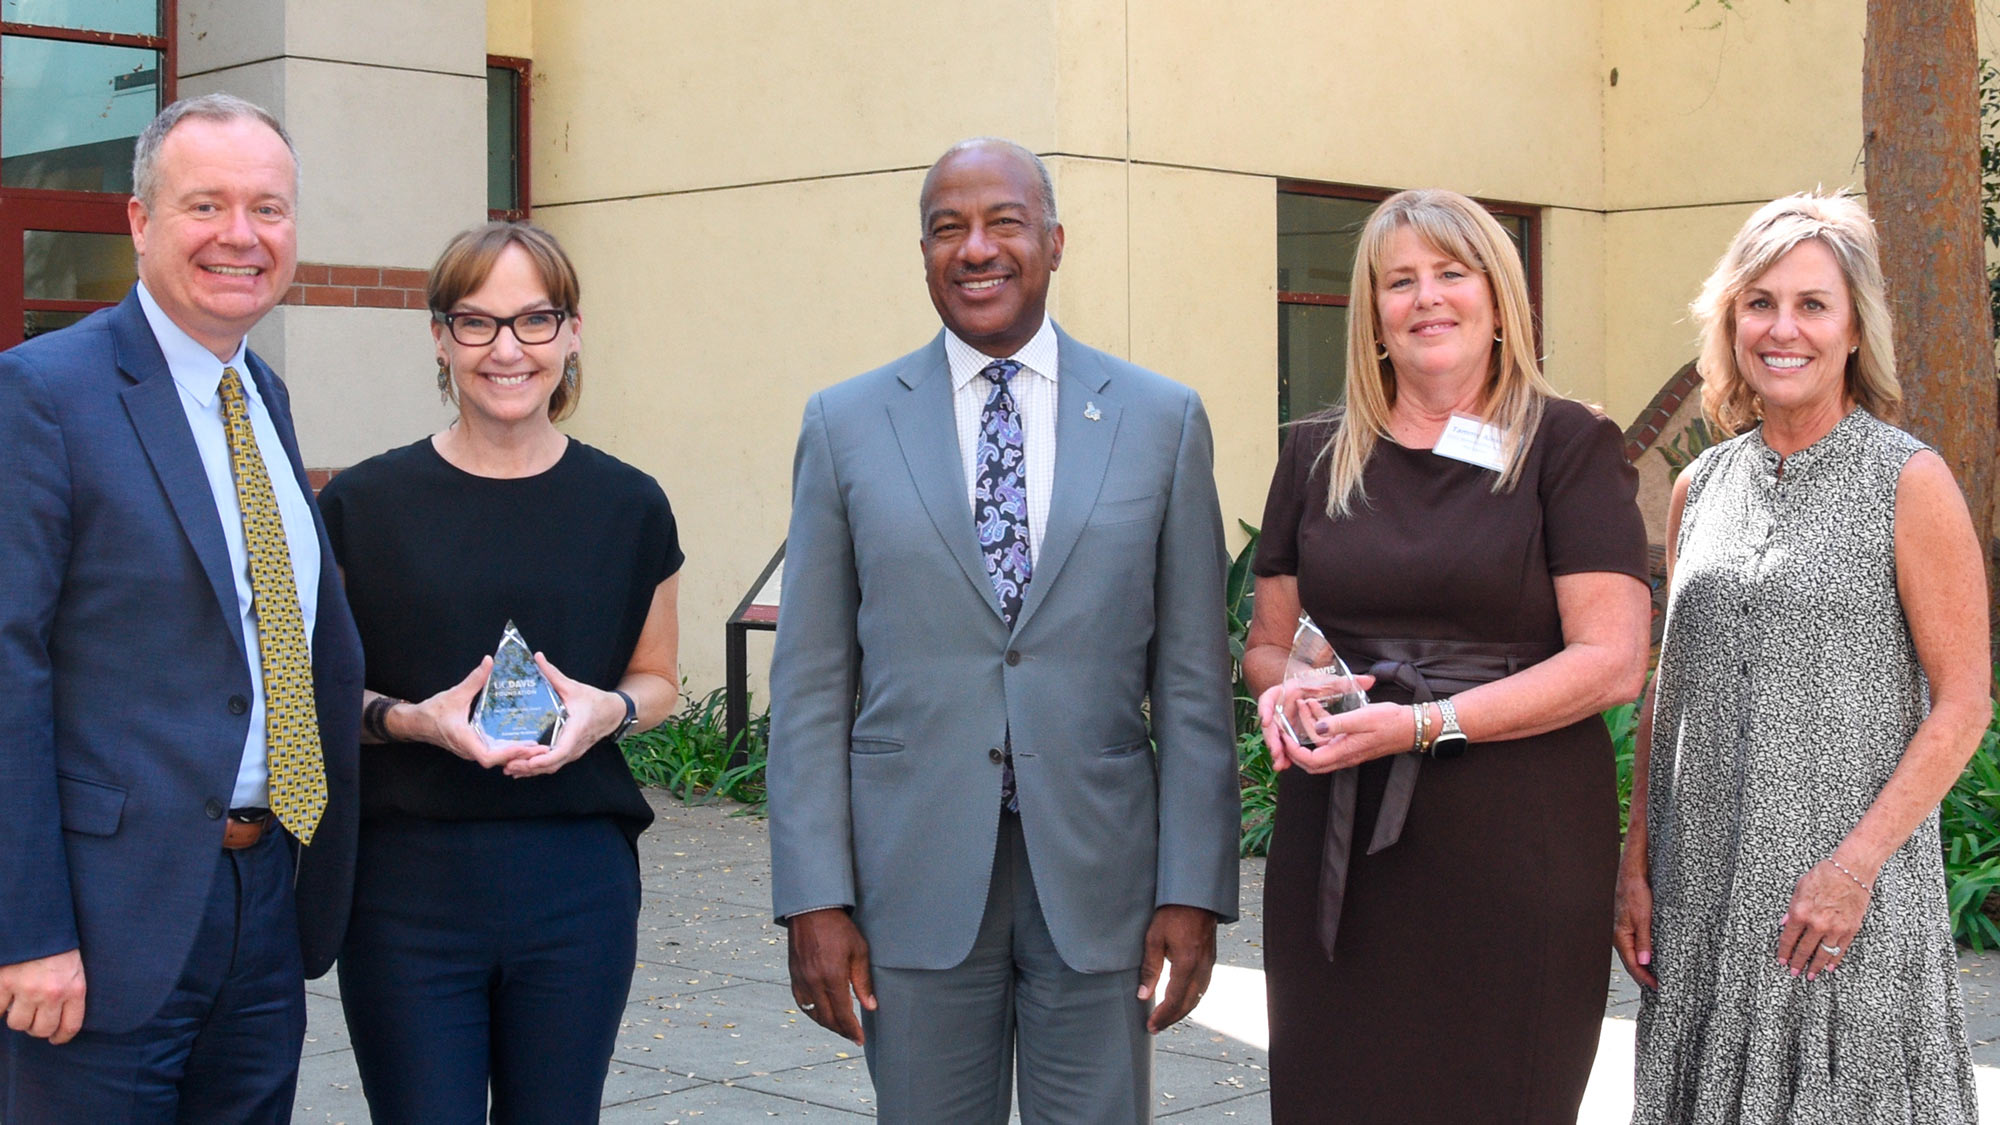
711,1036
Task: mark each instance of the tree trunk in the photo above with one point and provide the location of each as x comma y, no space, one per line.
1920,114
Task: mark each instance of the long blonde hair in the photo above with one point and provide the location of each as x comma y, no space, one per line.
1515,391
1841,223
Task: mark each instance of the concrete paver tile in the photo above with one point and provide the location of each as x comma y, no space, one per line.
726,1033
840,1083
715,1103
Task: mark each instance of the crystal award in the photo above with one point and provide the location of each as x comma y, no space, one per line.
1322,678
519,704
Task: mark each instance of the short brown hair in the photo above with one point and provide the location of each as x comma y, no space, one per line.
467,262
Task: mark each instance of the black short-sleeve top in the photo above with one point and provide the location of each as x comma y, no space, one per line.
438,560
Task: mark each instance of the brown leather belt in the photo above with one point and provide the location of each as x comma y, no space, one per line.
1424,668
244,828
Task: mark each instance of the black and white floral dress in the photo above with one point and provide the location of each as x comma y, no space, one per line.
1788,690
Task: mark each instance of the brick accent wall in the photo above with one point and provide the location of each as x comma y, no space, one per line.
1642,433
365,287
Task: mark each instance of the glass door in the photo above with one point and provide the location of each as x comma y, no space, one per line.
79,81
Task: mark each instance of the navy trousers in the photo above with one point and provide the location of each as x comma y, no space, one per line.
225,1047
493,953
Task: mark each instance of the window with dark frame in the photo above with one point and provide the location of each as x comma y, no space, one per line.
79,81
507,97
1319,226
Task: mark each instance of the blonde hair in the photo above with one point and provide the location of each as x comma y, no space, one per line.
468,260
1842,225
1515,391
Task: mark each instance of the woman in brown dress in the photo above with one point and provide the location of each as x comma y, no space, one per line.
1469,541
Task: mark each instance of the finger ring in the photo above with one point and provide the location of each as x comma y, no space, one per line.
807,1007
1832,949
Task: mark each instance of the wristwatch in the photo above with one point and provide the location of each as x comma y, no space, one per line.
1450,741
631,716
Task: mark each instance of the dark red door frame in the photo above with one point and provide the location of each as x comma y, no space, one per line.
26,209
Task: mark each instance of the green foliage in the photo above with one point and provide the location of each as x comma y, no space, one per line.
1259,780
1969,821
1260,793
1623,723
689,754
1687,445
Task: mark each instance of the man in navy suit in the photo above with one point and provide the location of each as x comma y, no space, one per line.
176,661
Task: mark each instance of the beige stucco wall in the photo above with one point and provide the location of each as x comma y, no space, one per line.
1715,111
386,104
510,28
1498,98
738,183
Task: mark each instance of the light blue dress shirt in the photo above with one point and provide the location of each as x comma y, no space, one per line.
198,374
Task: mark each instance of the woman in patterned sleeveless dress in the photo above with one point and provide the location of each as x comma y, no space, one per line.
1823,680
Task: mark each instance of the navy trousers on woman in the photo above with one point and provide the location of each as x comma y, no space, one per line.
225,1045
489,952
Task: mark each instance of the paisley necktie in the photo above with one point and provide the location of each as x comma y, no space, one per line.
1000,507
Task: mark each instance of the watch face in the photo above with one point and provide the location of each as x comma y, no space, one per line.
1449,746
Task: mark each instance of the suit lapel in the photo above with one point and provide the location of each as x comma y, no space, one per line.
154,403
927,430
1083,451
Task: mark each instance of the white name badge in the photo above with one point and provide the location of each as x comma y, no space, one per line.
1474,442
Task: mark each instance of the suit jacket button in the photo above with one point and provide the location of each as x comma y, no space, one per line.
1013,658
214,809
994,754
238,705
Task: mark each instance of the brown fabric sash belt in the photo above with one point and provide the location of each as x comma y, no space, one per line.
1425,669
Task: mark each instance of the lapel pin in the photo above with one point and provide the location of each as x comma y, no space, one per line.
1091,411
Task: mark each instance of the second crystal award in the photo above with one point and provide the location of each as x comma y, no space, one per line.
1322,677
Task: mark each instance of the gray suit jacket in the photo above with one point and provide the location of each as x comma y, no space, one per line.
895,679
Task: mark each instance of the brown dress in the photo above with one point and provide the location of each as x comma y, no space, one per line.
1468,979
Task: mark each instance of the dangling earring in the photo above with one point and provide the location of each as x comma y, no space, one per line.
570,367
444,380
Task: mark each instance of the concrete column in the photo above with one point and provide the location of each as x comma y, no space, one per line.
387,105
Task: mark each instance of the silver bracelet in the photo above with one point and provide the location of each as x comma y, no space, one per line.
1837,866
1423,721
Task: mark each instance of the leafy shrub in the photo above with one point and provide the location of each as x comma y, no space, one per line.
1623,723
1258,780
1687,445
1969,821
691,756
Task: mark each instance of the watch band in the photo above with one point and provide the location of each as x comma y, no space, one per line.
631,716
1450,741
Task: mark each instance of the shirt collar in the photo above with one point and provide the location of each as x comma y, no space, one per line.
1037,355
194,367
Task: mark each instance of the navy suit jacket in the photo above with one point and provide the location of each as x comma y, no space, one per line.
123,677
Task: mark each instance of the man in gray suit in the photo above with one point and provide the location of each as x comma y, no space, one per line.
1002,774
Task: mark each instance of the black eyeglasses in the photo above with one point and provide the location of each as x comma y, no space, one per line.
476,330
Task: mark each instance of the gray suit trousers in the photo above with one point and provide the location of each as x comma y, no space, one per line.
942,1042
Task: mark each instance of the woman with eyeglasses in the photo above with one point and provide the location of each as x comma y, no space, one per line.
497,886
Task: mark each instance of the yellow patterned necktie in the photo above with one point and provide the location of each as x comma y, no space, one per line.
291,724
